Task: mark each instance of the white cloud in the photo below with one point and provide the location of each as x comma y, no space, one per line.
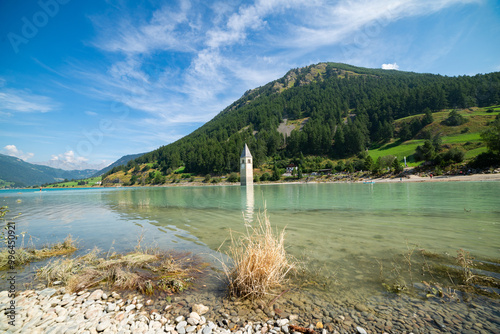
68,157
237,48
91,113
211,80
12,150
340,21
69,161
160,32
393,66
17,100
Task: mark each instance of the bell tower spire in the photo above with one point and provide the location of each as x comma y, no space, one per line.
246,167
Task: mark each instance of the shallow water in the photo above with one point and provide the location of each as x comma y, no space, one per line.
344,233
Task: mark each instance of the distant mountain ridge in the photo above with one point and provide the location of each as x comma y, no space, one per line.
25,174
59,164
122,161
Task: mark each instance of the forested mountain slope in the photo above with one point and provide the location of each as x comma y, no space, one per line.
336,110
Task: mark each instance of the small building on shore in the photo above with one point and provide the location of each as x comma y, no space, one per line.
290,168
246,167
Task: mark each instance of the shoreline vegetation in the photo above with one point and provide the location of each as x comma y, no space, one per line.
24,255
408,174
146,271
335,178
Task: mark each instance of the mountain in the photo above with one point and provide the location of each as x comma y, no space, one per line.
122,161
23,174
59,164
329,110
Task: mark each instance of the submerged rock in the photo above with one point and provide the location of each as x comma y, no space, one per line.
200,309
361,330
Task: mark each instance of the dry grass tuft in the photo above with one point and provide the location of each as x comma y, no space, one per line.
260,262
21,256
466,263
83,279
139,270
68,246
63,269
57,270
24,255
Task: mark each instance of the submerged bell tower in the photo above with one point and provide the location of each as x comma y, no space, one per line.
246,167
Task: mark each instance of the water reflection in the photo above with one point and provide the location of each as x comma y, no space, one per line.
248,201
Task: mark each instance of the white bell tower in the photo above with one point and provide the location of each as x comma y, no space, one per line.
246,167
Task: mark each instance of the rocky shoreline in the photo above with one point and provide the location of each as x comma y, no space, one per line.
53,310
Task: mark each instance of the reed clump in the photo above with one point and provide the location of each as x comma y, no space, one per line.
147,271
68,246
466,263
22,255
260,263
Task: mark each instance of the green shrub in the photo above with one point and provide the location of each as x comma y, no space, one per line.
340,166
454,119
233,177
425,152
454,155
265,177
358,164
397,167
159,179
276,174
485,160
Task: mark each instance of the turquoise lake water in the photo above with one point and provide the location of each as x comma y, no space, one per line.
343,231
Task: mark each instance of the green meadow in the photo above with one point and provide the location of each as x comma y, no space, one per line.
466,137
89,182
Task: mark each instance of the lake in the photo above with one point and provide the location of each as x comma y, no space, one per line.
349,236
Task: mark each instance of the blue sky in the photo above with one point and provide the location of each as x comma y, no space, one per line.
89,81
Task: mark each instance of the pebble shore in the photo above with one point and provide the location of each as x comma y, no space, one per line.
54,311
